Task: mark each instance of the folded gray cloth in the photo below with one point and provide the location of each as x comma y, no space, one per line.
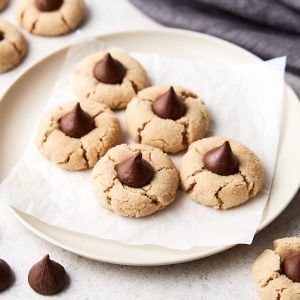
268,28
292,3
268,12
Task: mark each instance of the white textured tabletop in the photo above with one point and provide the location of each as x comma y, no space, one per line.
222,276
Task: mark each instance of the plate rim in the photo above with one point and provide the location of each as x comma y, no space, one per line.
217,249
15,212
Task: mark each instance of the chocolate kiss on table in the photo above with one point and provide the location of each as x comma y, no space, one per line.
76,123
169,105
48,5
135,171
47,277
291,266
221,160
5,275
109,70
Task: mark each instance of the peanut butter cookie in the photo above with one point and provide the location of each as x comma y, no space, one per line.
220,172
276,273
169,118
75,135
111,78
135,180
12,46
50,17
3,4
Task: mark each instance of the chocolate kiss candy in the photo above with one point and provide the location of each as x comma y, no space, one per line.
109,70
48,5
291,266
5,275
135,171
76,123
169,105
47,277
221,160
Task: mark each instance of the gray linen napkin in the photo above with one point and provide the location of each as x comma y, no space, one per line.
268,28
292,3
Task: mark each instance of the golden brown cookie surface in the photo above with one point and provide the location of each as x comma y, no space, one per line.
12,46
3,4
78,153
116,95
271,282
215,190
60,21
130,201
169,135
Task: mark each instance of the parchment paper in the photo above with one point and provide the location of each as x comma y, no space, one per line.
244,102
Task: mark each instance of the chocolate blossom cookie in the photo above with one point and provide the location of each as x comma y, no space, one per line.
3,4
12,46
221,172
166,117
135,180
112,78
50,17
75,135
276,273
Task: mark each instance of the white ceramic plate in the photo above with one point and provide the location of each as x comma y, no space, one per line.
25,100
